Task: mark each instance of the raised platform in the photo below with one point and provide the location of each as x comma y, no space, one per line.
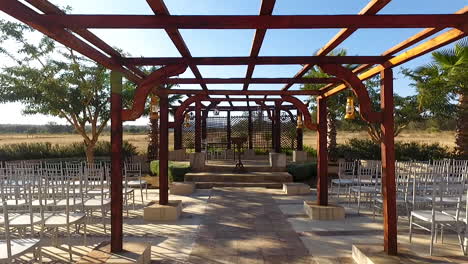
139,253
249,165
206,180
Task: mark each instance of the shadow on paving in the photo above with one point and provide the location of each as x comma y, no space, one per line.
246,226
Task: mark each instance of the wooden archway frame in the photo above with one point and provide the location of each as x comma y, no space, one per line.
352,80
303,109
144,88
179,114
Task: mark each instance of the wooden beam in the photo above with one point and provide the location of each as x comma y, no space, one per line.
426,47
372,8
241,92
246,108
256,22
198,127
265,10
116,162
164,150
48,8
252,80
264,60
388,164
322,153
28,16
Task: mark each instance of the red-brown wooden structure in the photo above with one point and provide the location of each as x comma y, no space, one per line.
66,28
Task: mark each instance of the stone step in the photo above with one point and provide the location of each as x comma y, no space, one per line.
249,177
248,168
209,185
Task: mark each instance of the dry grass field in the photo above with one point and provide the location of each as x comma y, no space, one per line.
141,141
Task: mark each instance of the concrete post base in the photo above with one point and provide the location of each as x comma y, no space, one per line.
157,212
299,156
278,160
133,252
182,188
296,188
197,160
320,212
177,155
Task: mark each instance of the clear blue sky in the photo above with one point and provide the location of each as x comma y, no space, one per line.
238,42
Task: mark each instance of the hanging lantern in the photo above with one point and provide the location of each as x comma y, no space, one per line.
349,108
191,116
154,107
216,112
300,123
283,118
187,120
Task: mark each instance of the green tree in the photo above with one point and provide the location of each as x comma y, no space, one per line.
153,133
405,111
442,89
335,104
50,79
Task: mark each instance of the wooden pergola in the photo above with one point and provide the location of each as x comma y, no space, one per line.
72,31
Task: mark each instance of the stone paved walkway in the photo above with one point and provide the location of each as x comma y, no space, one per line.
241,226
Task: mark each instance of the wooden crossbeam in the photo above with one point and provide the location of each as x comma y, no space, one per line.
264,60
372,8
252,80
265,10
159,8
241,92
30,17
428,46
48,8
257,22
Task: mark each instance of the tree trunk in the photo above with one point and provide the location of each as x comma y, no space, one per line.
461,137
331,135
90,152
153,146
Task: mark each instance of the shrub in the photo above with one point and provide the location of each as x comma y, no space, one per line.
176,170
404,151
27,151
303,171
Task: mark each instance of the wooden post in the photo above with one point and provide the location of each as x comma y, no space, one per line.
178,134
204,117
229,130
277,127
299,135
388,163
322,159
250,130
163,149
198,127
116,162
178,123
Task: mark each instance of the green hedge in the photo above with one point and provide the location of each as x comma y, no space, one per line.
404,151
27,151
302,172
177,170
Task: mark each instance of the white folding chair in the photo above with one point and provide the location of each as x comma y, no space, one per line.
444,196
132,171
346,177
11,249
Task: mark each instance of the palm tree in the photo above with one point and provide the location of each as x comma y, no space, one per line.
153,133
442,88
335,104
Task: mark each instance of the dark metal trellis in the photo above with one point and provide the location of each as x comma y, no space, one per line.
217,131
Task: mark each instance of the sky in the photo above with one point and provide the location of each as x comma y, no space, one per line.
279,42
